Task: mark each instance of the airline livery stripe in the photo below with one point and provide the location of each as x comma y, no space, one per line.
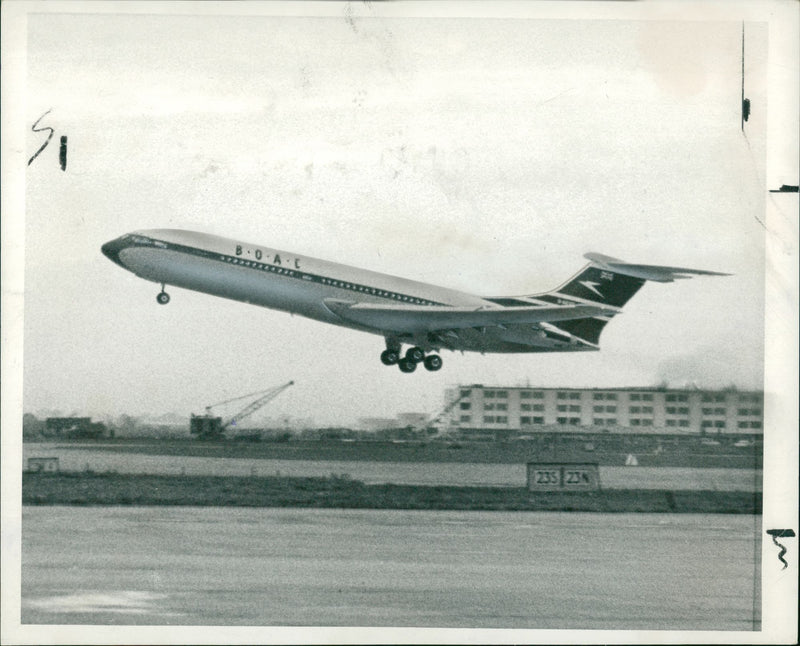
291,273
558,298
510,302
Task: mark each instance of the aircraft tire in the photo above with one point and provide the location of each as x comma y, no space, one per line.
162,298
407,365
433,362
415,354
390,357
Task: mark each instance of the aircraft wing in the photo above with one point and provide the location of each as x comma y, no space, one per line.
426,318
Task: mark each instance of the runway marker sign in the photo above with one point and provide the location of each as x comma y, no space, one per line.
563,476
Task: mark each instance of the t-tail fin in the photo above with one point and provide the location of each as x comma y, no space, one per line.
611,282
614,282
657,273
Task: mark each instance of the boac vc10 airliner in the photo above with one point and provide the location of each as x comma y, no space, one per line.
424,317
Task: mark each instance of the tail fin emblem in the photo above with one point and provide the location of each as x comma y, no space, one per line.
592,287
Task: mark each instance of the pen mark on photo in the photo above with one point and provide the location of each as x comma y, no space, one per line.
49,137
745,101
62,153
782,533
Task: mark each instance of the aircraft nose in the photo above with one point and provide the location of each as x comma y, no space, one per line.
112,249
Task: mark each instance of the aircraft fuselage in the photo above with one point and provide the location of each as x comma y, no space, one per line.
298,284
427,317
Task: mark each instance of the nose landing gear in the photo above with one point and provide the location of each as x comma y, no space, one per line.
162,297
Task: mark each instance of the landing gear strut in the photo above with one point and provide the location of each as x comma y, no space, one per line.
163,297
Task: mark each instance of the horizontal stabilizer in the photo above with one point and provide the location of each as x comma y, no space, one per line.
421,318
657,273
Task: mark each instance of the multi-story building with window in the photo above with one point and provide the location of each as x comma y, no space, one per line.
526,410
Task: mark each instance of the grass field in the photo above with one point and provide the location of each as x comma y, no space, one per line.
606,451
339,492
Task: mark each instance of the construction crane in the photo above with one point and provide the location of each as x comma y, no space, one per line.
210,426
428,425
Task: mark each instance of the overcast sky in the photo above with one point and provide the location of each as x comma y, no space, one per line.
487,155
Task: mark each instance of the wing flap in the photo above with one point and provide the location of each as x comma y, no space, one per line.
424,318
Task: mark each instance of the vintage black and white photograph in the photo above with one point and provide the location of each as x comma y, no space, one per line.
378,323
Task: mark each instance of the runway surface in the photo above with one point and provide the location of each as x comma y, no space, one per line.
292,567
373,472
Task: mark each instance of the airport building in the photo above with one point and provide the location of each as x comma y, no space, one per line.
74,427
504,412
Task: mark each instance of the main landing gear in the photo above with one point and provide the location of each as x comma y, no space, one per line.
413,356
163,297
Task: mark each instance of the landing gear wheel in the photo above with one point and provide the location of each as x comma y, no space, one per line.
407,365
390,357
162,298
433,362
415,354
